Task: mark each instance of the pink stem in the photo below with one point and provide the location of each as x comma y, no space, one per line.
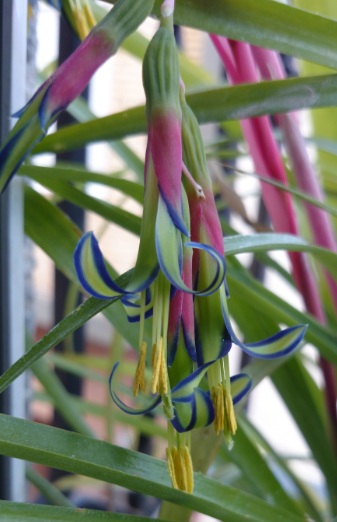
271,67
239,58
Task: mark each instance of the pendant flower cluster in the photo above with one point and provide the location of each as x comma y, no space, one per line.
70,79
179,276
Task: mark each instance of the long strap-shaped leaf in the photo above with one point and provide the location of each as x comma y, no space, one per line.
302,402
264,23
209,105
103,461
16,511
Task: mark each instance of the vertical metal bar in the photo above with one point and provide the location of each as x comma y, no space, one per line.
13,23
68,42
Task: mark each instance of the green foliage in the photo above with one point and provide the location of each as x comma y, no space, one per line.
254,481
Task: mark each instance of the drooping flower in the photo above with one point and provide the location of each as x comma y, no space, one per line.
67,82
214,333
179,280
162,275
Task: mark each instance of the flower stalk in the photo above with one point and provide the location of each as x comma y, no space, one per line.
179,277
242,63
67,83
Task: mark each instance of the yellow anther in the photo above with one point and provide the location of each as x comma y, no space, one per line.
189,469
139,381
91,21
153,354
159,382
224,418
219,410
229,412
81,23
180,468
163,380
170,464
156,360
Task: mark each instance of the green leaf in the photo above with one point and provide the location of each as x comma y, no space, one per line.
61,399
253,465
244,288
57,236
273,241
68,325
98,459
16,511
51,230
209,105
300,490
110,212
301,401
264,23
48,490
76,174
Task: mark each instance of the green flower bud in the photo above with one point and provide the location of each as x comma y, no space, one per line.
161,72
126,16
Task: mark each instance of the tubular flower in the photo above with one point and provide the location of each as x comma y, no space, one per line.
161,279
214,333
179,277
67,82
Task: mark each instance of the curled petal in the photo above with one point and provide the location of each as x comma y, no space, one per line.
124,407
132,307
169,250
16,149
185,388
275,346
212,338
93,273
197,412
240,386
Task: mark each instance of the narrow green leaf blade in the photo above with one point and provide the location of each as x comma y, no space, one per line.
103,461
17,511
209,105
273,241
247,456
264,23
300,400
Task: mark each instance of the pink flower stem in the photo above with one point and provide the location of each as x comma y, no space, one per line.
238,58
271,67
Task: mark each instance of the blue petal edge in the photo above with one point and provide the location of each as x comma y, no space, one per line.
124,407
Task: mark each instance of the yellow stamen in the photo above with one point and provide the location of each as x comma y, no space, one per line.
219,411
180,468
81,23
229,413
170,465
153,354
189,469
91,21
163,380
156,360
139,382
159,382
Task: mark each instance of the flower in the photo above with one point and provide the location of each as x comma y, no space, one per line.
67,83
160,284
214,333
179,277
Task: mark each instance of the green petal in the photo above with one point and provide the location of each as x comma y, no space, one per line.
170,254
278,345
